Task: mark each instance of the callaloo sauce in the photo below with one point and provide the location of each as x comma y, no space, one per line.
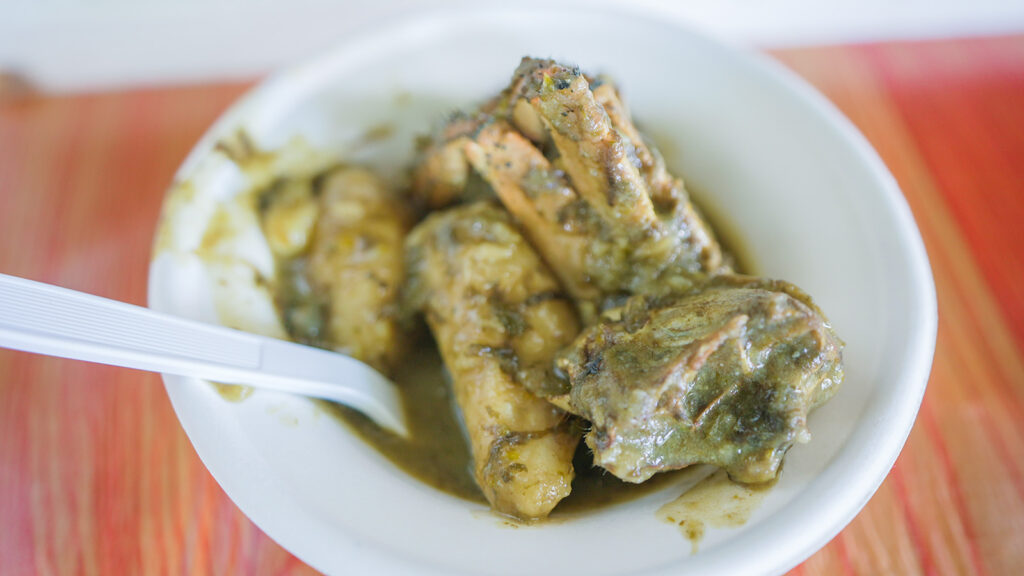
726,233
437,452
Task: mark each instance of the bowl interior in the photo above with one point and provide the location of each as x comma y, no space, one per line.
808,198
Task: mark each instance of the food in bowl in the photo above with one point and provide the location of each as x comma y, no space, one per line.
573,290
337,240
499,317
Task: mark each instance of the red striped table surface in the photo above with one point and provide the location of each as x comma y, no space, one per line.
97,477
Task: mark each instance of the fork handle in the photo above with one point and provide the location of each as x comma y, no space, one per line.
46,319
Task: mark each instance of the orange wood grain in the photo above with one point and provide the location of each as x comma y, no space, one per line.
96,476
960,472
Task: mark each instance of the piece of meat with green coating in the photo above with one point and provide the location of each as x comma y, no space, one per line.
669,248
723,376
499,317
551,214
441,175
564,157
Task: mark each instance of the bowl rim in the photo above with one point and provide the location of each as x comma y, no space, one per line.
876,453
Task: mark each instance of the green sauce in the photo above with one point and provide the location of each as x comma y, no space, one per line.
437,452
727,234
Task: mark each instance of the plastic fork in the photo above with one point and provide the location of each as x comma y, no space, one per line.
47,319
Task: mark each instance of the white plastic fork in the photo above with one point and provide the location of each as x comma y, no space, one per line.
47,319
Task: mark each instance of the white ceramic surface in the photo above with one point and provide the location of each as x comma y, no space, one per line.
812,200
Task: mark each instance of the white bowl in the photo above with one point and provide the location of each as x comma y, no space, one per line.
811,200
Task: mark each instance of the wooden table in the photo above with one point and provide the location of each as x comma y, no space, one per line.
96,476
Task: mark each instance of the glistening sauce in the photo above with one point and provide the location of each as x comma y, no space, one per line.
436,452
